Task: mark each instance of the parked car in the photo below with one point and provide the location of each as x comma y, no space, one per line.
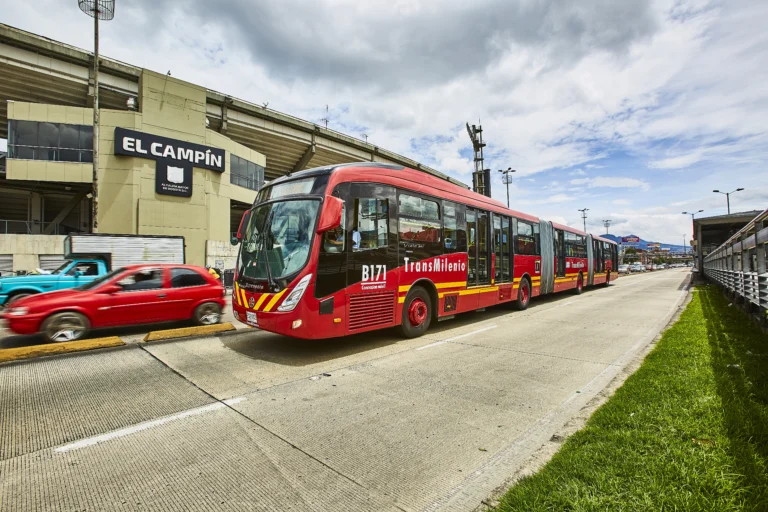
623,269
89,256
637,267
134,294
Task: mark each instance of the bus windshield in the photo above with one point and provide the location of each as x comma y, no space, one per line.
280,233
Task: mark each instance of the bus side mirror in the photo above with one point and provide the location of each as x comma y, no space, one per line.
241,229
330,218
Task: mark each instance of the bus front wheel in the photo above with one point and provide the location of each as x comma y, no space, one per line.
417,313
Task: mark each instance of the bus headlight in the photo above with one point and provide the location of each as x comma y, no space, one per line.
293,298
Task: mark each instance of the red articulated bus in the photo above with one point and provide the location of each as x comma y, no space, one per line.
352,248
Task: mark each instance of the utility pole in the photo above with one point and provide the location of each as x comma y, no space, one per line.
325,119
607,224
506,178
728,196
105,10
584,217
481,178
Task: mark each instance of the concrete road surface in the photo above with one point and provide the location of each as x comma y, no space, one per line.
255,421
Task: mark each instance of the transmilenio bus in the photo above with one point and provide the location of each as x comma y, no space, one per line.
351,248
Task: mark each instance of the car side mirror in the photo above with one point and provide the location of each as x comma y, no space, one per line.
330,218
110,288
234,240
78,274
242,227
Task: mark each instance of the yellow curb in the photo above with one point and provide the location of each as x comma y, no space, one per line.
184,332
14,354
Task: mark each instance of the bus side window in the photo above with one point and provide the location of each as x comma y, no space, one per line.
454,227
333,240
370,227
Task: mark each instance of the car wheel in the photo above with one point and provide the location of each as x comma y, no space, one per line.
417,313
66,326
18,296
579,284
207,314
523,295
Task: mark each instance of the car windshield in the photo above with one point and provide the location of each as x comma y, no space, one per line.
62,268
97,282
280,233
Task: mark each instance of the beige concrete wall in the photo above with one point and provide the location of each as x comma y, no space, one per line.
221,252
26,249
128,203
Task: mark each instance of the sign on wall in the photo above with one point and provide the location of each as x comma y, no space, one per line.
630,239
174,159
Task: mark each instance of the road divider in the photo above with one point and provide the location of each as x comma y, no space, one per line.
49,349
185,332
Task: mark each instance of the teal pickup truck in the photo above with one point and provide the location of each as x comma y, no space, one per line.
73,273
89,256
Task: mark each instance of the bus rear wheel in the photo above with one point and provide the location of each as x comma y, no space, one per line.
579,284
417,313
523,295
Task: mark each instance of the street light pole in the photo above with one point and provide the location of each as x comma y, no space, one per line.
728,197
584,217
105,10
506,178
607,224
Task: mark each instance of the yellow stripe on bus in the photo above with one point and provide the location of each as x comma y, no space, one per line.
260,301
274,300
236,297
457,284
471,291
243,298
451,285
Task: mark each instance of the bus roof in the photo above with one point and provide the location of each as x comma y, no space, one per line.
415,180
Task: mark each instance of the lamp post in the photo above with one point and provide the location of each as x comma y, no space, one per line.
506,178
584,217
98,10
728,196
607,224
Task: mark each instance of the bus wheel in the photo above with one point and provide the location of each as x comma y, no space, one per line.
579,284
523,295
417,313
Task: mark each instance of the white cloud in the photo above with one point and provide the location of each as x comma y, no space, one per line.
578,172
611,182
621,202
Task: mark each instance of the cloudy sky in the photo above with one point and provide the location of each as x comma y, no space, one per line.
635,109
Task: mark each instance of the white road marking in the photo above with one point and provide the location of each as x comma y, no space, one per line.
91,441
457,337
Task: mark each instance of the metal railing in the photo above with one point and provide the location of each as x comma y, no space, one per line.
31,227
739,265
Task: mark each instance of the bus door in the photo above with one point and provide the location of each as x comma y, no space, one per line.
483,249
371,255
560,252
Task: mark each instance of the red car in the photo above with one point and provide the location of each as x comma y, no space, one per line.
136,294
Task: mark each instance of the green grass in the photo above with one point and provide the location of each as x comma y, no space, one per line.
687,431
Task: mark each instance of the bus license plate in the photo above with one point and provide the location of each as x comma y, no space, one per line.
250,318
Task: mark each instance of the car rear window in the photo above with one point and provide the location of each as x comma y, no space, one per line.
184,277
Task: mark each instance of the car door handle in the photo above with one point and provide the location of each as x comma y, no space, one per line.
162,296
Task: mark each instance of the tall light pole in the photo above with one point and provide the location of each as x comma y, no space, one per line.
584,217
607,224
728,196
692,214
507,179
98,10
685,250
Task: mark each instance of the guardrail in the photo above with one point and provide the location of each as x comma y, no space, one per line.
739,265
